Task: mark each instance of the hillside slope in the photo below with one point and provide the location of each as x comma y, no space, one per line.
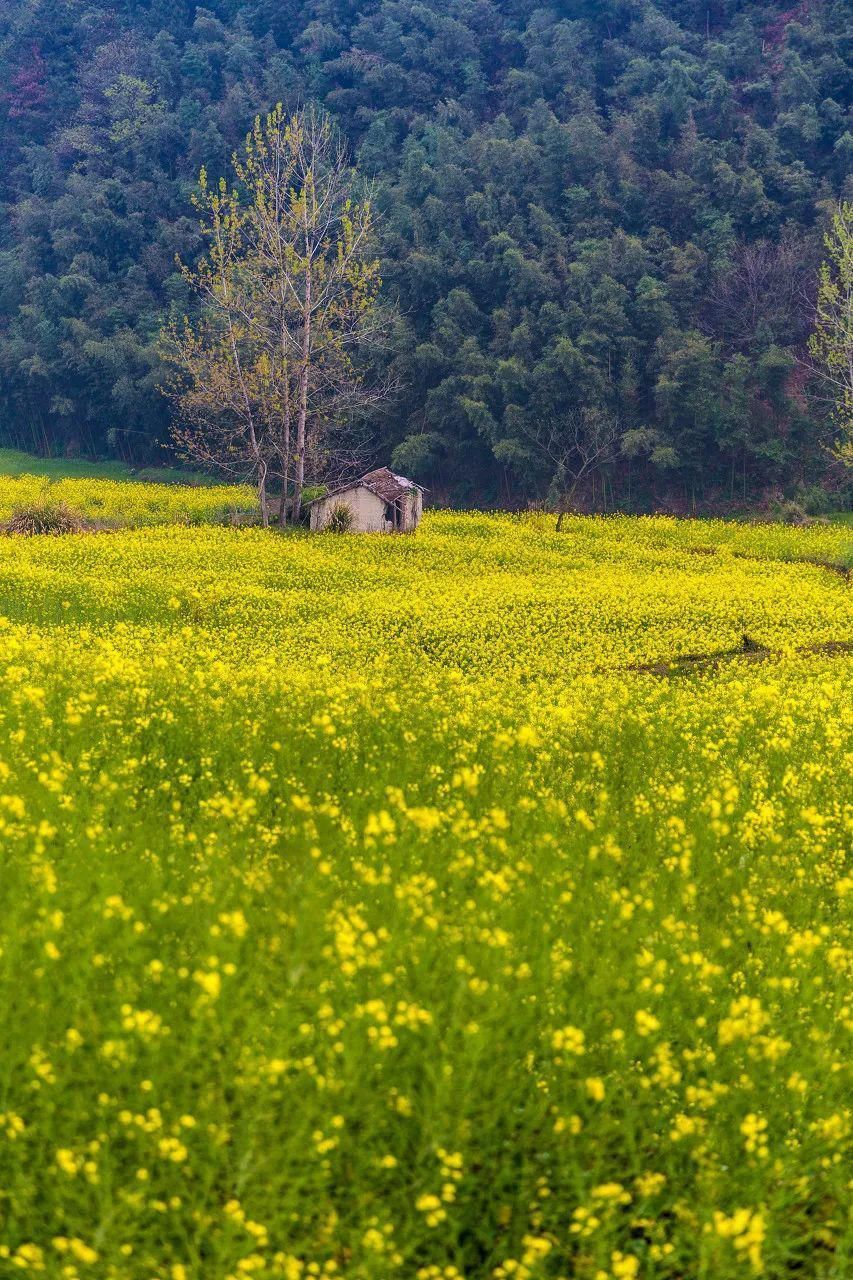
590,208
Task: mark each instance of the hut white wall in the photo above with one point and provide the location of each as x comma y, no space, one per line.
412,507
368,511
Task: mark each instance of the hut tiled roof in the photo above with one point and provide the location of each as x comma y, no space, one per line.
383,482
386,485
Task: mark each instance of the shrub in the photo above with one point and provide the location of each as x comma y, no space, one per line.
340,519
814,500
783,511
792,513
44,518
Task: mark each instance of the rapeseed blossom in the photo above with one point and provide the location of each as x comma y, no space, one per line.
381,907
118,503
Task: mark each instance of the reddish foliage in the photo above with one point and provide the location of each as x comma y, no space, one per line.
795,386
775,32
28,92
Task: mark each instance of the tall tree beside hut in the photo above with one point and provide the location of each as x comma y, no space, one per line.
831,344
266,379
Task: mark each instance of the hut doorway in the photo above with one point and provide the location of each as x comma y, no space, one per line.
394,514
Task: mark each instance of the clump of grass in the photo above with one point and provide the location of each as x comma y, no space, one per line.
44,518
791,513
340,519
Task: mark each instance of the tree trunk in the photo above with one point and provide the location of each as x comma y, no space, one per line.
302,417
299,474
564,505
262,495
285,476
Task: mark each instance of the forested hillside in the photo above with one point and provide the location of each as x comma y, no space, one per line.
594,211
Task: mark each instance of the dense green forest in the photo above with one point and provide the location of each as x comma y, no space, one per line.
601,221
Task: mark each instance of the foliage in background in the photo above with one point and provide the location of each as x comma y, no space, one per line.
614,207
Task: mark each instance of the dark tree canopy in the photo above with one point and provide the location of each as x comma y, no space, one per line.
593,209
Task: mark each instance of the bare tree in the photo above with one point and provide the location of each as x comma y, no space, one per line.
267,381
765,285
576,449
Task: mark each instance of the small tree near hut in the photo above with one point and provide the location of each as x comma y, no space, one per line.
831,344
575,449
266,378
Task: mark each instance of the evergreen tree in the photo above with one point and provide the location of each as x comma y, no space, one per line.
584,207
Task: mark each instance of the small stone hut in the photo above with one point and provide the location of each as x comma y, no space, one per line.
380,502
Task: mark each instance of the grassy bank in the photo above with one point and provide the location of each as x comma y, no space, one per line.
117,503
14,462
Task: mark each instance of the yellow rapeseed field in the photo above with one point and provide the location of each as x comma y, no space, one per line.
122,502
402,907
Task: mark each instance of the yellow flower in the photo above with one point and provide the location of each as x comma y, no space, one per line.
210,982
432,1209
68,1162
624,1266
569,1040
746,1229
